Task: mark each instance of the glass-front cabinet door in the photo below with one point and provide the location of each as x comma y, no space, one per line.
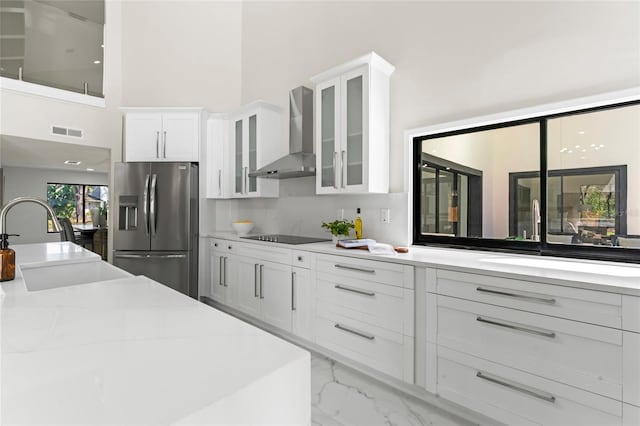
327,133
253,153
354,137
238,158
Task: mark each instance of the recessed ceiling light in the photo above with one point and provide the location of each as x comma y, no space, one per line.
601,146
102,45
581,132
570,152
577,146
72,162
563,150
96,62
89,169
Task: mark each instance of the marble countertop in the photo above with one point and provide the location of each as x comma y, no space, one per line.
125,351
620,278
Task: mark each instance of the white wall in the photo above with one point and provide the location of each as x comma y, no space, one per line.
27,219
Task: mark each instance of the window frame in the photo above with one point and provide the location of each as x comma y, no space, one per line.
539,115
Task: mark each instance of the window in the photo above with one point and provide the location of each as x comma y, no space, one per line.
80,203
560,184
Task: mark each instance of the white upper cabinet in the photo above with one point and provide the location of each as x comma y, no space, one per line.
163,134
255,141
352,127
217,170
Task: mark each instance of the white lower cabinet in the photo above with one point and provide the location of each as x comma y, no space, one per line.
222,272
631,368
302,288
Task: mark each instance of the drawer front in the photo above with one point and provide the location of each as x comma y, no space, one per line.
631,368
377,304
589,306
264,252
303,259
224,246
518,398
363,343
631,313
369,270
583,355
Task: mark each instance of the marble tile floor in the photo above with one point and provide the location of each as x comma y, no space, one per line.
341,396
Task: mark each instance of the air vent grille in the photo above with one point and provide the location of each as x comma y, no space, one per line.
64,131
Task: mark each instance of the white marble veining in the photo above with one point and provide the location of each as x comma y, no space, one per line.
622,278
132,351
341,396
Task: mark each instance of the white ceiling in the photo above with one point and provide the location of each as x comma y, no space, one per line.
93,10
23,152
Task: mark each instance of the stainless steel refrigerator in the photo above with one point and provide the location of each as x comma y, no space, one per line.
156,222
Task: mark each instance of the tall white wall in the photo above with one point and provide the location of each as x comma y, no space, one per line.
27,219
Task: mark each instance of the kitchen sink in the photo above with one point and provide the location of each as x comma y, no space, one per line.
45,277
560,265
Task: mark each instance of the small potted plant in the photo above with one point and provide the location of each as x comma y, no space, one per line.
339,228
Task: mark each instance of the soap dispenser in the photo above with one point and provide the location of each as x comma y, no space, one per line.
358,225
7,259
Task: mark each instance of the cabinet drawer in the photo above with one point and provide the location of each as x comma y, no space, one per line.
224,246
372,346
582,305
518,398
377,304
302,259
263,252
631,313
381,272
583,355
631,368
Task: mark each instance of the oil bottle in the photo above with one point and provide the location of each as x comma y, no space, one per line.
358,225
7,259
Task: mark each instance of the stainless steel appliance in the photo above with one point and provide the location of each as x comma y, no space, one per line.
156,222
285,239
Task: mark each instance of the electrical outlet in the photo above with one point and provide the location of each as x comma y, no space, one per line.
385,216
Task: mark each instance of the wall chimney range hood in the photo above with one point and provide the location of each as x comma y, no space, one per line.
301,160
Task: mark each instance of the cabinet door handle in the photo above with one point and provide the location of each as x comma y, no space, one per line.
356,332
158,144
164,146
221,269
293,291
255,280
517,327
549,301
335,170
261,281
343,169
226,284
353,268
220,182
508,384
354,290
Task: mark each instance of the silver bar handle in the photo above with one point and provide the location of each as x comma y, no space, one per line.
145,206
164,145
220,182
356,332
261,281
220,275
502,382
353,268
158,144
126,218
152,204
545,333
135,218
293,291
224,263
343,169
354,290
150,256
549,301
255,280
335,170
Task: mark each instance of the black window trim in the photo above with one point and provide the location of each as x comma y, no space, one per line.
617,254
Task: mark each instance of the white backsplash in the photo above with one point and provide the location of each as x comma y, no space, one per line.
296,212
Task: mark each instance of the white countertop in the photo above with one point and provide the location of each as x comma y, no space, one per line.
621,278
126,351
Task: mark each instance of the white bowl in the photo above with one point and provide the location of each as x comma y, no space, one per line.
242,228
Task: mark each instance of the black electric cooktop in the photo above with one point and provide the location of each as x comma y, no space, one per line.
285,239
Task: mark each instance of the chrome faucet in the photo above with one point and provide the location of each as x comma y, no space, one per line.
10,204
535,220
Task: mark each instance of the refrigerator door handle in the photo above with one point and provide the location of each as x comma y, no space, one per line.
152,204
145,206
150,256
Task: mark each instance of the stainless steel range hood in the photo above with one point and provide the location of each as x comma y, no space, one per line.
301,160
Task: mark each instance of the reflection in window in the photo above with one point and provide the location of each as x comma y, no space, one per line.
81,204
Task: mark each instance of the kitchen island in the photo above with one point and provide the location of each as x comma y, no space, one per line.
132,351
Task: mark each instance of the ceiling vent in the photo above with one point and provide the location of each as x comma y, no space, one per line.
64,131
